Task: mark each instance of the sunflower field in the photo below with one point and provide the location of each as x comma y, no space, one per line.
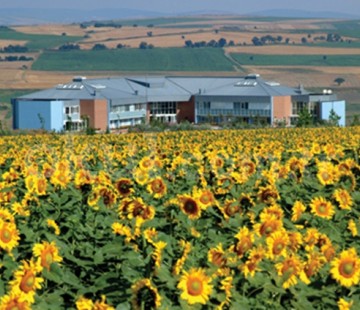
227,219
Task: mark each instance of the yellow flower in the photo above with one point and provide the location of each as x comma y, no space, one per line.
51,223
346,268
268,194
195,286
26,282
145,295
352,227
216,256
124,187
84,304
289,269
276,244
343,198
13,301
189,206
322,208
180,262
245,241
268,225
344,305
327,173
9,235
297,210
159,246
47,253
157,187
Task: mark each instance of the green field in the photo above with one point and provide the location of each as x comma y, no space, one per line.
36,42
297,60
157,59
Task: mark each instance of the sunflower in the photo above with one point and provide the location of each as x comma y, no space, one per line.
352,227
157,187
138,209
40,186
146,163
327,173
140,176
249,268
145,295
295,239
276,244
312,266
6,215
189,206
322,208
216,256
328,251
47,253
9,235
195,286
245,241
102,305
205,197
246,201
124,187
346,268
51,223
268,225
25,281
82,177
344,305
230,208
83,303
60,178
289,269
274,210
13,301
297,210
268,194
343,198
180,262
157,254
311,238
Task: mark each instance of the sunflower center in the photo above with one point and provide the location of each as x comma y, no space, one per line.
278,248
47,259
195,287
27,282
190,206
322,209
6,235
347,269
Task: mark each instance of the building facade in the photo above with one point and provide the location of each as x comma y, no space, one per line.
120,102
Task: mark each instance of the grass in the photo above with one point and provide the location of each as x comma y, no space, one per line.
36,42
297,60
7,94
157,59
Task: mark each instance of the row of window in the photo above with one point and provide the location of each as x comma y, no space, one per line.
75,109
163,108
128,108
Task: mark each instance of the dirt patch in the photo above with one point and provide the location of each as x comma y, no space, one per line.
54,29
5,43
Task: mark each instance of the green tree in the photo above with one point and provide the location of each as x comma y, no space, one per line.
305,118
333,118
339,80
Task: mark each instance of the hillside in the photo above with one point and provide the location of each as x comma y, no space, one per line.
311,52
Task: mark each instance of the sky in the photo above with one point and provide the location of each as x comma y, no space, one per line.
183,6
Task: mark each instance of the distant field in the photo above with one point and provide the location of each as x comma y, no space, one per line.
37,42
297,60
172,59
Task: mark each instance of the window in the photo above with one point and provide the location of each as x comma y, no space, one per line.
162,108
298,106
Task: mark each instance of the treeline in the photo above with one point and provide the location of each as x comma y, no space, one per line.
16,58
14,49
212,43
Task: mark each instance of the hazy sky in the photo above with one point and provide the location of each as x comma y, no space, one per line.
183,6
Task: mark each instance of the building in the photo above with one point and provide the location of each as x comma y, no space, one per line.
118,102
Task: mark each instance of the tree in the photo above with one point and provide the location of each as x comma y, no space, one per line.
333,118
339,80
305,118
99,46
